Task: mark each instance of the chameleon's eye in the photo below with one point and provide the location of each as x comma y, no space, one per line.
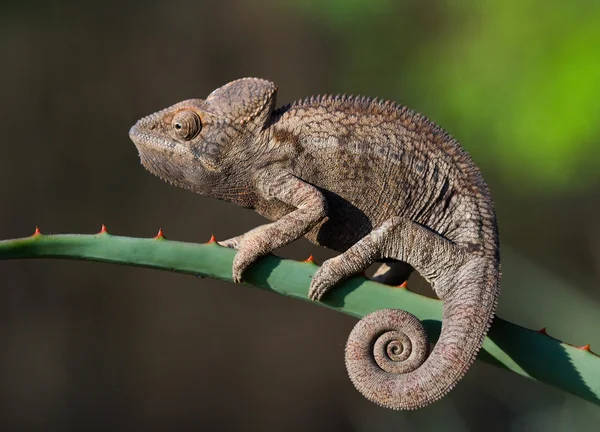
186,124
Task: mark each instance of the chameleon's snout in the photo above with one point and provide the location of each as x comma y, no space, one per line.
136,135
133,132
141,132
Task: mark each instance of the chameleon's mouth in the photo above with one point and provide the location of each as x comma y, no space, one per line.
153,152
147,142
159,156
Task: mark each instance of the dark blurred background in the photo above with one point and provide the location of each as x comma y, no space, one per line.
104,347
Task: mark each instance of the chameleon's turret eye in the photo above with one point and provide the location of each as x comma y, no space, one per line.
186,124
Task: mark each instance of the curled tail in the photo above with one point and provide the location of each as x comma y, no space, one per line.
386,353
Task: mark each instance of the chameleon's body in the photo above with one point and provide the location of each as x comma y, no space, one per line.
373,180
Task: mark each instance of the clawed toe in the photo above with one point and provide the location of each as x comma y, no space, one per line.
323,280
236,275
317,291
241,262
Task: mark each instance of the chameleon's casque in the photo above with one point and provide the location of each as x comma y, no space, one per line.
373,180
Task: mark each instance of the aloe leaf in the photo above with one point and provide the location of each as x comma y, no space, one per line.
530,353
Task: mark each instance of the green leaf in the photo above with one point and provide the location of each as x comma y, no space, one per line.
529,353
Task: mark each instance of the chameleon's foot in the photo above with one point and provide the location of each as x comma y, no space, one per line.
238,269
250,246
352,262
241,261
324,279
245,256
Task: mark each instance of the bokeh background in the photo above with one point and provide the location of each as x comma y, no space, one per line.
103,347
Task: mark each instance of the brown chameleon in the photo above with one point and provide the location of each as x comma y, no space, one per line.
370,179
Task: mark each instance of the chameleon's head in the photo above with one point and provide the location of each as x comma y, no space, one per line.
207,145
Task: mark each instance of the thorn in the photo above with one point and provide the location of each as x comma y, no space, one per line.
37,232
103,230
310,260
212,239
542,331
585,347
403,285
160,235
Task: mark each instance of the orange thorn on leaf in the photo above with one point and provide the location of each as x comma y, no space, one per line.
403,285
103,230
310,260
212,239
585,347
37,232
542,331
160,234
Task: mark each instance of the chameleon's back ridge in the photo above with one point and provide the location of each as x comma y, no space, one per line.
371,179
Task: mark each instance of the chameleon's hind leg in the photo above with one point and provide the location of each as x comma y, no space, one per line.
392,273
398,238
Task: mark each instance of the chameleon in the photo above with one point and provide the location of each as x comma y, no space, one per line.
371,179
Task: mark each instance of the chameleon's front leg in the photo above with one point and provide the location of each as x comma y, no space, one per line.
311,208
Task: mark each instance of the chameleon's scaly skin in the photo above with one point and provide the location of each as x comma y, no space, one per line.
372,180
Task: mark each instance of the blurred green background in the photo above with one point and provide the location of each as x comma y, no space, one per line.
103,347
